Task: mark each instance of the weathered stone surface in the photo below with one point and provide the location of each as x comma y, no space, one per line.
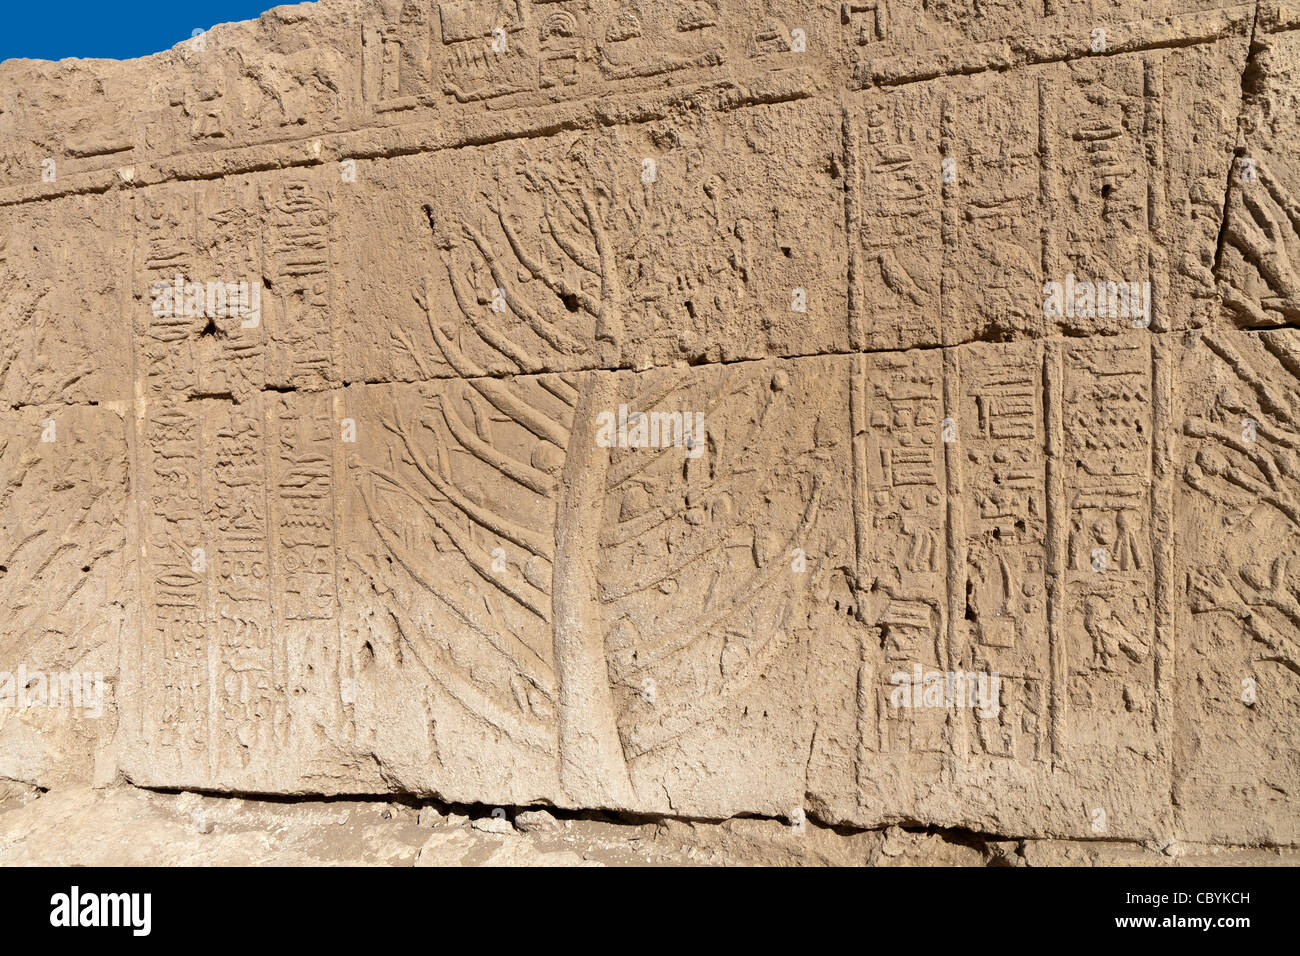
122,826
616,405
1237,652
69,607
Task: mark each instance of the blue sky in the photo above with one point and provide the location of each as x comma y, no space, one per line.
120,29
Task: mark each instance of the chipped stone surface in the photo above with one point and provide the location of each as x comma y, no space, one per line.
615,406
120,826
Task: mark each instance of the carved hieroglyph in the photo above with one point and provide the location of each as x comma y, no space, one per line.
619,405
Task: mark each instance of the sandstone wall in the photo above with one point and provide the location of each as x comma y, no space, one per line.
369,536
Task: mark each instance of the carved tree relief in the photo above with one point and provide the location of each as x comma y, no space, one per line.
1263,227
560,537
1245,461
